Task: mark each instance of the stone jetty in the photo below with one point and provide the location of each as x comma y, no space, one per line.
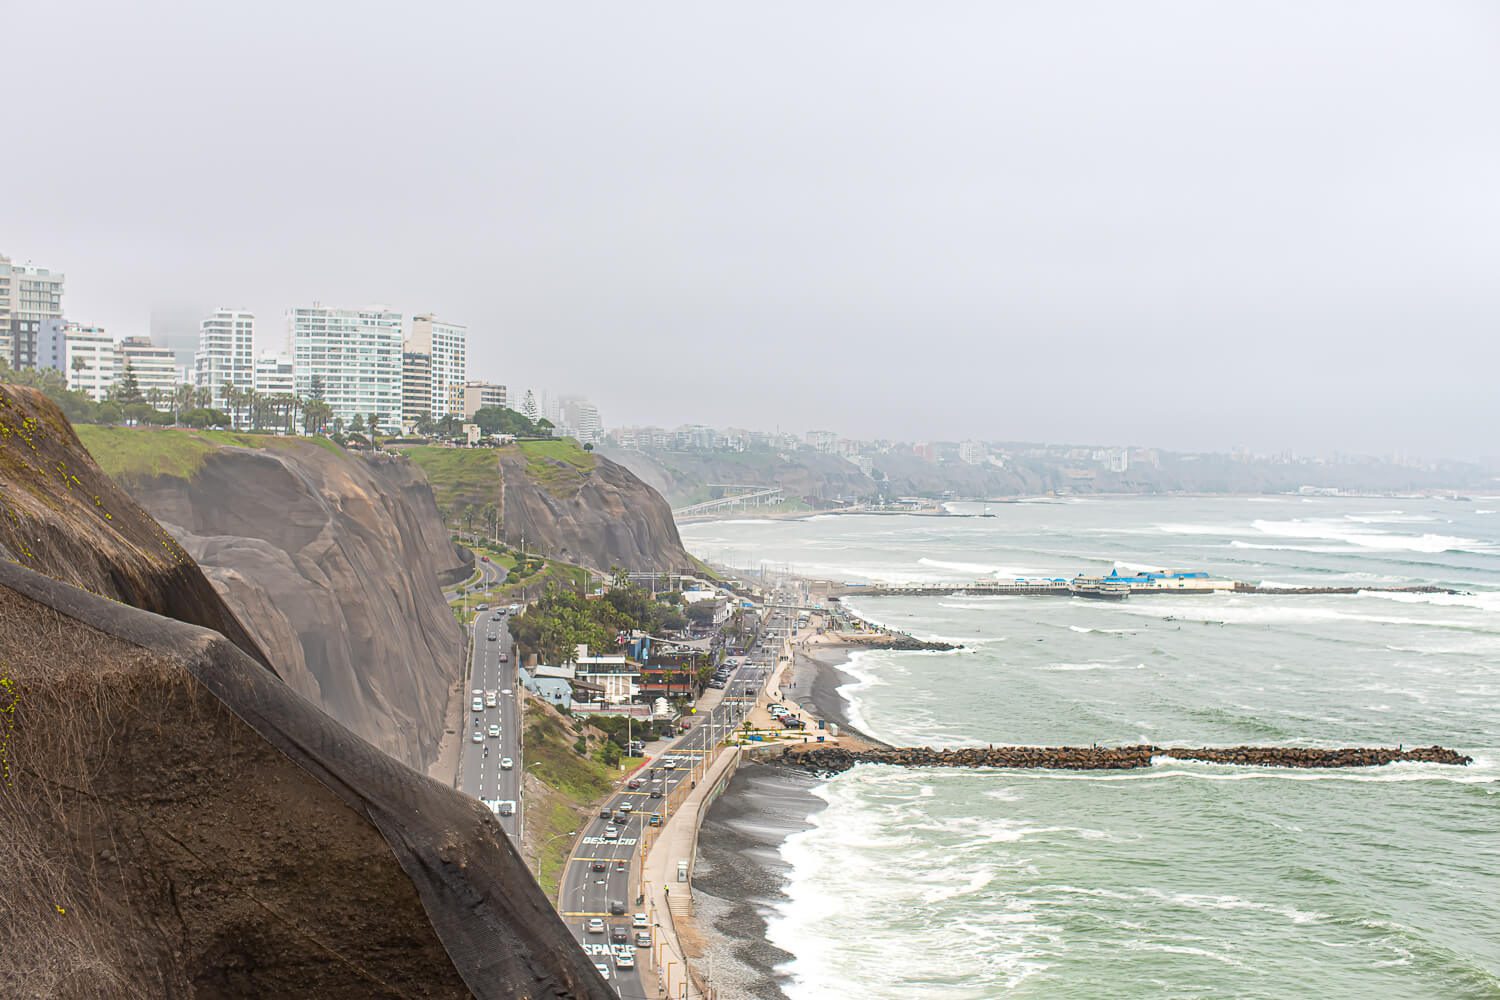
825,759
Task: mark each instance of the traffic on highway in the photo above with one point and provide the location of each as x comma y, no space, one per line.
490,764
601,897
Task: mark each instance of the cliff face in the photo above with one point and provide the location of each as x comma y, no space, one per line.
179,822
600,515
334,562
62,516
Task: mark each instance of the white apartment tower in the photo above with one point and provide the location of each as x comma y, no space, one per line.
226,353
446,346
154,368
355,356
274,375
29,297
92,360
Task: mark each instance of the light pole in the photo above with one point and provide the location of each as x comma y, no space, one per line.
546,844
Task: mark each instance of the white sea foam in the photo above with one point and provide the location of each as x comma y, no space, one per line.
1380,541
1482,600
1080,667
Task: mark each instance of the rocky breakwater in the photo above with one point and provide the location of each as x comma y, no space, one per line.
824,759
333,561
583,508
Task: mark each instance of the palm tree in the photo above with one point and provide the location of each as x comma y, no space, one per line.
231,396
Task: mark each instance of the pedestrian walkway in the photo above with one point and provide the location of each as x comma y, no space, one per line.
671,901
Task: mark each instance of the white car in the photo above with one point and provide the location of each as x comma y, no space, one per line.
610,833
494,731
478,737
596,925
477,705
669,764
507,807
625,807
506,763
639,920
603,969
624,959
489,698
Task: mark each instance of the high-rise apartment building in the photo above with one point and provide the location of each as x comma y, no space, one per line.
355,357
274,375
29,295
478,395
226,354
416,387
92,360
155,369
581,419
446,346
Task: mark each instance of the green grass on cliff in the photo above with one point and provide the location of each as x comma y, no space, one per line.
558,466
460,477
145,452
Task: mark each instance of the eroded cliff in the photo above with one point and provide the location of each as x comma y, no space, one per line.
179,822
597,514
332,560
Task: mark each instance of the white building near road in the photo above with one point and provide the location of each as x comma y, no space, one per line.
274,374
155,369
226,353
615,675
29,296
91,360
356,356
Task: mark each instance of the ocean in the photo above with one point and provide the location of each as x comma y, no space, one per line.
1186,880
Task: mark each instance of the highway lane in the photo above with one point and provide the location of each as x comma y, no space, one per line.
481,771
602,878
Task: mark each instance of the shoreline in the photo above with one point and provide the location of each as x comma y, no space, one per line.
742,882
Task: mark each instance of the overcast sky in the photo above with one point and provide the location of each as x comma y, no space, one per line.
1195,224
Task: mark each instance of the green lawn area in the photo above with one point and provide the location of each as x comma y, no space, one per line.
178,452
460,477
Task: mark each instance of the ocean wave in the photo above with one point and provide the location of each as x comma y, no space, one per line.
1078,667
977,569
1379,541
1482,600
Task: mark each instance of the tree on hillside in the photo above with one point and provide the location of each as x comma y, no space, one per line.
528,406
499,420
129,389
316,415
357,425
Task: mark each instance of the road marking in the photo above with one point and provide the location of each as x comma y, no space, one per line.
577,913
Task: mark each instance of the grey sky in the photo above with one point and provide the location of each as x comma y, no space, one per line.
1186,224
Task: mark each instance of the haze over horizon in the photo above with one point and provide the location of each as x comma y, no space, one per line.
1167,224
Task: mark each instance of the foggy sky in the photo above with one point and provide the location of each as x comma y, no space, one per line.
1194,225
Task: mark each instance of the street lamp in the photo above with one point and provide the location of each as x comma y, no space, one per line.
543,850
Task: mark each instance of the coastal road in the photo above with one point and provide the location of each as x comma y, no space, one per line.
603,874
481,770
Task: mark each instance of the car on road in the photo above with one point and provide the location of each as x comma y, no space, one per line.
507,807
617,908
619,935
596,925
505,692
477,705
504,658
598,865
483,607
489,699
603,969
618,818
656,819
643,939
492,637
606,812
611,833
656,790
669,764
506,763
494,731
624,959
634,783
625,807
639,920
478,737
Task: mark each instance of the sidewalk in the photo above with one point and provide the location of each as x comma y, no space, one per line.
668,900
